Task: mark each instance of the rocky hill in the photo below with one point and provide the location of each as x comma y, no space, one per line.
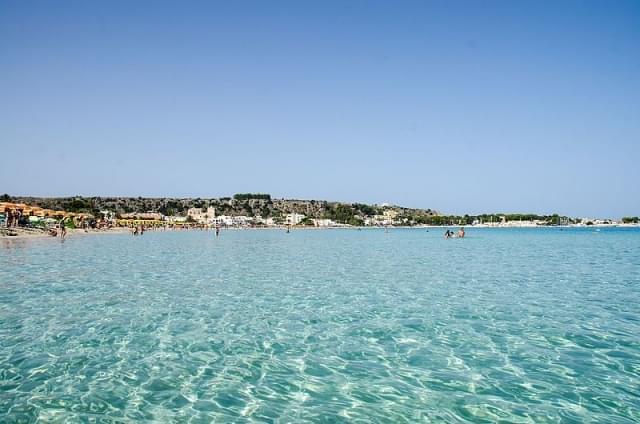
241,204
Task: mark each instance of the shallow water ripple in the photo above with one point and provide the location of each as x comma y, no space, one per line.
322,326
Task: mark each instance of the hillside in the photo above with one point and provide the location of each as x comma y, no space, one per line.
240,204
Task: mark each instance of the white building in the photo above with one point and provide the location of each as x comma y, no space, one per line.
242,220
596,221
390,214
387,218
201,215
232,221
172,219
324,223
223,220
294,218
109,216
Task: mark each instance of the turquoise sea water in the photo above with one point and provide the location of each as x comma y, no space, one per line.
513,325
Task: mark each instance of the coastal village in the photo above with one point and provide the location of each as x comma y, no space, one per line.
248,211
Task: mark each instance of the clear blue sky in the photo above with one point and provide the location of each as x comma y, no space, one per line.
458,106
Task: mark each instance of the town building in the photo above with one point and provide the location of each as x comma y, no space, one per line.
323,223
294,218
201,215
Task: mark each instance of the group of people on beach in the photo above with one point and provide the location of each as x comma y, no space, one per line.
137,230
450,234
13,218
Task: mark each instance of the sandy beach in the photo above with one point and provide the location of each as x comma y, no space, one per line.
27,233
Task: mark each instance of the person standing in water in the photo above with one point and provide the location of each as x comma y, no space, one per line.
217,230
461,232
63,229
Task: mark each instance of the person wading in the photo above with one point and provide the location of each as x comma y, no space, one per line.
63,229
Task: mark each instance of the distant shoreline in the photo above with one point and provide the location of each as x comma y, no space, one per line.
23,233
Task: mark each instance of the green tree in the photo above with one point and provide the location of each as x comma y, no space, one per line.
340,213
248,196
356,221
307,221
365,210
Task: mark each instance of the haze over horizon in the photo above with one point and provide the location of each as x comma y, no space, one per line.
461,107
